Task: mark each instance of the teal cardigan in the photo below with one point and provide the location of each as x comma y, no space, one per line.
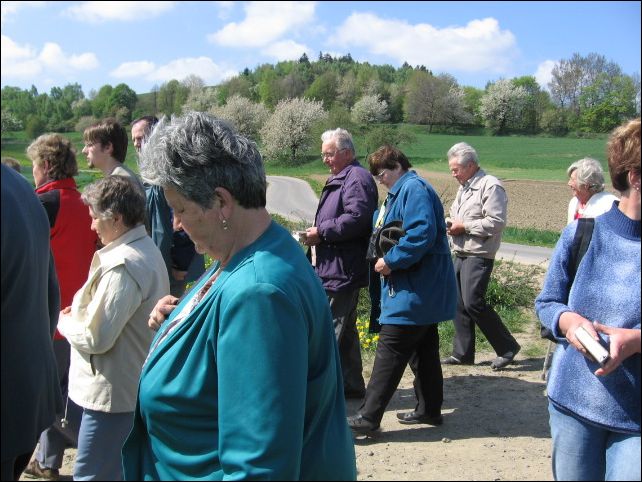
249,385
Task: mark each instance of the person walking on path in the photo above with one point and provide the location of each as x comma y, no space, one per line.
338,242
477,219
417,286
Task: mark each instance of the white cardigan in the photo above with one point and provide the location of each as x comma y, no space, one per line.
107,327
599,203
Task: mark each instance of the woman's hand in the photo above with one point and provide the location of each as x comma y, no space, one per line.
161,311
568,325
624,342
382,268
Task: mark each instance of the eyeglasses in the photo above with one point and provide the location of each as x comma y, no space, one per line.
328,155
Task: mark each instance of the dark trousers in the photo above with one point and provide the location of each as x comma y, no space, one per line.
344,316
398,346
473,276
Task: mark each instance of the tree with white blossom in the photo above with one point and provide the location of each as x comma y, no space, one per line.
370,110
502,105
288,131
246,116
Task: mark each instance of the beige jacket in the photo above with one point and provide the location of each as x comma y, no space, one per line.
481,204
107,327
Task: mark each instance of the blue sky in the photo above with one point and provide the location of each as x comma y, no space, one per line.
144,44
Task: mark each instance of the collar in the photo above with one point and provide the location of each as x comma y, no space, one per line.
396,187
134,234
474,181
344,172
67,183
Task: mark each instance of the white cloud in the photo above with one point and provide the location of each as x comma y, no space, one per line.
204,67
286,50
25,61
96,12
264,23
133,69
544,75
477,46
8,9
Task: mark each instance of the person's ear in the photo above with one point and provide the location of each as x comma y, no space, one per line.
225,201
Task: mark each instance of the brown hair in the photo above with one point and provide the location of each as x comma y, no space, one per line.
58,152
109,131
623,151
387,157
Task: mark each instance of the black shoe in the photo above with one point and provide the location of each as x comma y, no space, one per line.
504,360
360,425
451,360
413,418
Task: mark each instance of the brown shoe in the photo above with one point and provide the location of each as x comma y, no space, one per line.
33,471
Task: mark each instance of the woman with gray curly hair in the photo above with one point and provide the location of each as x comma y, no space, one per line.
586,180
243,379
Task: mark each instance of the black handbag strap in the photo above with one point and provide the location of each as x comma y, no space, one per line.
581,242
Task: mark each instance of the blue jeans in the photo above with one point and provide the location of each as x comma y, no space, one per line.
100,441
582,451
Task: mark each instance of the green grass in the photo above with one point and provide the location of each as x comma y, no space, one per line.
531,237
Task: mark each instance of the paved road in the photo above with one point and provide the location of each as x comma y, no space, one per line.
294,199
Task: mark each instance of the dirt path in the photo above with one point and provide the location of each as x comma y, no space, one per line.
495,427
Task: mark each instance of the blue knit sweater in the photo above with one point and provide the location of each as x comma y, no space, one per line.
606,289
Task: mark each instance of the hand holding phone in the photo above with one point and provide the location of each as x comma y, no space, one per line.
592,346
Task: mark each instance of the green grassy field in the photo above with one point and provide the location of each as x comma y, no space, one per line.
519,157
514,157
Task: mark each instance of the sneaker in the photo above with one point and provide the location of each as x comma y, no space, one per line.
360,425
33,471
504,360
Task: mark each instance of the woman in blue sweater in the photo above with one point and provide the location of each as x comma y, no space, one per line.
418,291
595,410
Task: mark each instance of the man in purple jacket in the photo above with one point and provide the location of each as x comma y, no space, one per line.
338,241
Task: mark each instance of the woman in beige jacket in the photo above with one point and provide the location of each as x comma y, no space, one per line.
106,325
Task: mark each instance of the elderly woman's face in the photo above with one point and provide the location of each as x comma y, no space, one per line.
580,191
201,225
107,229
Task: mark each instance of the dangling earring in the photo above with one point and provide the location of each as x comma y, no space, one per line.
225,226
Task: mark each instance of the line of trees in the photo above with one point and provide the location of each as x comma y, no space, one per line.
587,94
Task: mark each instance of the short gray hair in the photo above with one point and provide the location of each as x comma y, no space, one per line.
464,153
341,137
589,174
116,195
197,153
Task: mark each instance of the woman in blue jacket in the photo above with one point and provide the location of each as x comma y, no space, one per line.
418,291
243,380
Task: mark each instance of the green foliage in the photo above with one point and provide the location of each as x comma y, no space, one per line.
34,126
513,285
379,135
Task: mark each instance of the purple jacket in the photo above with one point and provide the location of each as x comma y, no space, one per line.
344,222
